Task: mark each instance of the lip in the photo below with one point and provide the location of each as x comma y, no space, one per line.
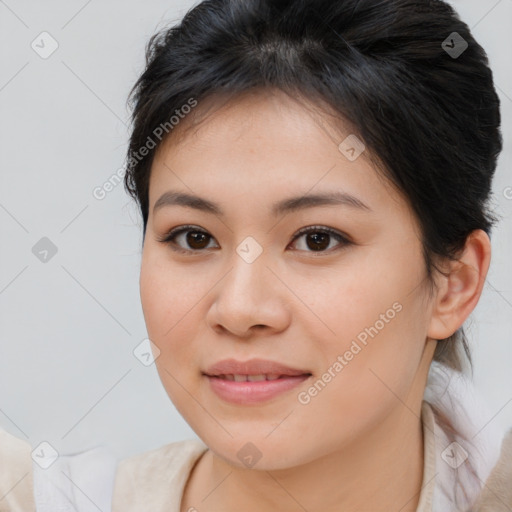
246,393
252,367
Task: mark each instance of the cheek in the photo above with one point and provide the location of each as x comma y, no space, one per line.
166,295
153,286
380,320
375,378
164,308
368,298
171,303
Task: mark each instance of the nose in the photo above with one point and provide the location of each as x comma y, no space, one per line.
250,299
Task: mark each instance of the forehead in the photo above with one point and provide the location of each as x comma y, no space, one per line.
267,116
264,145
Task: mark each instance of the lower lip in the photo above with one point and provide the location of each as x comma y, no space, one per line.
243,393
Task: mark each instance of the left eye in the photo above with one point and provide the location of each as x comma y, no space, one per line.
316,239
319,238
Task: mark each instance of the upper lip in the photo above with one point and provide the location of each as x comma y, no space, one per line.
252,367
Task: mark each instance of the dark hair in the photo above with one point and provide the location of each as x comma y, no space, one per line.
398,71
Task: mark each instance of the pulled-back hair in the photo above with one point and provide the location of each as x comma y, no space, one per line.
398,71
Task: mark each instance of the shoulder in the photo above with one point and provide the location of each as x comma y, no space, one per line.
497,493
16,478
169,458
473,464
156,478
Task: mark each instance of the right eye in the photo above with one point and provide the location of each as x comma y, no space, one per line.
196,239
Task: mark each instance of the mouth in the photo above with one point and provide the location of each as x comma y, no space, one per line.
254,381
253,368
254,378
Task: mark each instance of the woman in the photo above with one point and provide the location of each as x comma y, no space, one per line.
315,234
313,178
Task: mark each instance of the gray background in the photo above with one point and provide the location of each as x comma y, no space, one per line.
69,326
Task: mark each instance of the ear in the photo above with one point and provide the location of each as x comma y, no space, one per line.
460,289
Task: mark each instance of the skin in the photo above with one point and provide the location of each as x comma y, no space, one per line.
349,446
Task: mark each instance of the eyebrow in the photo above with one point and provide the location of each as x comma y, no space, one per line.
289,205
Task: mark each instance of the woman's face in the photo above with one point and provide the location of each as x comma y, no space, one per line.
348,311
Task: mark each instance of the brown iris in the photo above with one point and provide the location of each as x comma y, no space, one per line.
319,241
195,239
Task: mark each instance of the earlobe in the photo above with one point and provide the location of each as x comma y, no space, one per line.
460,289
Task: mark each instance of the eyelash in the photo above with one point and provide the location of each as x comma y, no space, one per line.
169,238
